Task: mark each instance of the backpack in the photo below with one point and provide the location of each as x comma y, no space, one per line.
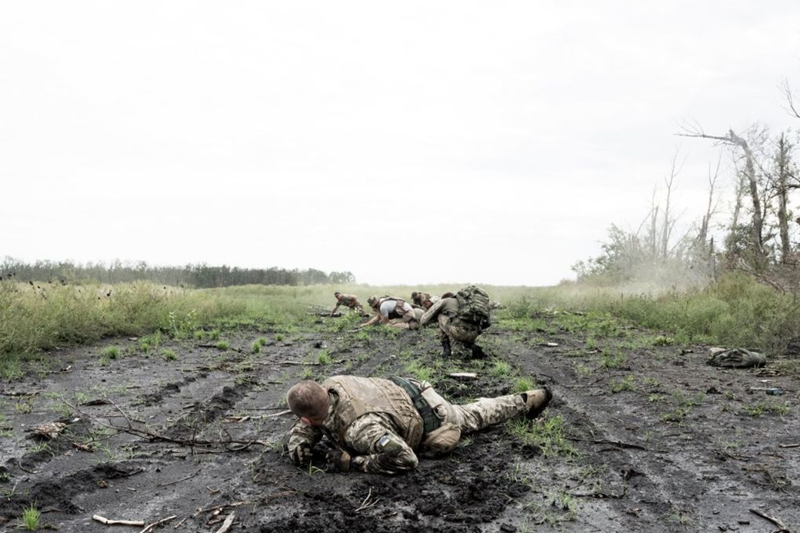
473,307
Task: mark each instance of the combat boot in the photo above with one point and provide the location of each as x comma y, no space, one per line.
536,400
446,347
477,352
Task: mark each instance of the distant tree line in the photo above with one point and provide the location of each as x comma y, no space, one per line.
199,276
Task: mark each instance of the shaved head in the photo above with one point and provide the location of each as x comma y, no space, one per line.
308,399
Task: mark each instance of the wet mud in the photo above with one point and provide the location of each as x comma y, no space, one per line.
640,436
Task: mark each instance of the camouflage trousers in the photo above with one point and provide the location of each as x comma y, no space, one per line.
471,417
456,334
408,321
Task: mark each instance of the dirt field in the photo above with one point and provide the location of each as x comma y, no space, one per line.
642,435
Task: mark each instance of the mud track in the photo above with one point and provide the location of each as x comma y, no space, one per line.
653,439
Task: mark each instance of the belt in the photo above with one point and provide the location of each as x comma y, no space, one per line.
430,421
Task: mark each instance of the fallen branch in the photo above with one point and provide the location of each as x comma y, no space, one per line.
178,480
156,524
301,363
227,524
179,524
282,413
611,442
796,445
776,521
152,436
364,505
106,521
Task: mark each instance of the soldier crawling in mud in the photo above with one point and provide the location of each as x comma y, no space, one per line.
381,425
348,300
394,312
461,318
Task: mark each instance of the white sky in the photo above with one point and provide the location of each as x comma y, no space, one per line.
407,142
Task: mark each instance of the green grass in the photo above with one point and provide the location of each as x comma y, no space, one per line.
74,314
30,518
500,369
626,384
545,433
169,355
522,384
223,345
111,352
324,357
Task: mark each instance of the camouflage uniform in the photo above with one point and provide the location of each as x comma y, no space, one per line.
374,439
460,333
348,300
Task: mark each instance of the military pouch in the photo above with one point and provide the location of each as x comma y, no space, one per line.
441,441
430,421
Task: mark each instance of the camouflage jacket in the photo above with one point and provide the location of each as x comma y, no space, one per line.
371,440
446,306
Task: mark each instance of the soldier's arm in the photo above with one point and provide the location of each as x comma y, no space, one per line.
335,308
431,313
371,321
303,434
378,449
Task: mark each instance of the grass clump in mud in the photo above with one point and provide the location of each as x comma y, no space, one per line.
30,518
626,384
759,408
522,384
547,434
111,352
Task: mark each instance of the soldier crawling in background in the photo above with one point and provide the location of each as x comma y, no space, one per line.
423,300
394,312
380,425
462,317
347,300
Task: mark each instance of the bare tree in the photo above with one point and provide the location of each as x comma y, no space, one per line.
749,173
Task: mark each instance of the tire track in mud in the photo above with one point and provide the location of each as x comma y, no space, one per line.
57,493
673,475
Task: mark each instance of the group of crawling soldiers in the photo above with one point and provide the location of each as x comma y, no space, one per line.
461,317
382,425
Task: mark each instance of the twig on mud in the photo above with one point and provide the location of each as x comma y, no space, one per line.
106,521
157,437
156,524
178,480
774,520
302,363
19,464
796,445
364,505
179,524
611,442
282,413
227,524
219,508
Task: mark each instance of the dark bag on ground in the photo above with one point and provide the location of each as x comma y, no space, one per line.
473,307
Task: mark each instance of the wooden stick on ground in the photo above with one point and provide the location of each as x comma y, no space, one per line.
156,524
797,445
178,481
227,523
774,520
106,521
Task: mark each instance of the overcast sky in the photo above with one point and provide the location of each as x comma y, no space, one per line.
407,142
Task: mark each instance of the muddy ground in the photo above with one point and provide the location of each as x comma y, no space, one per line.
642,435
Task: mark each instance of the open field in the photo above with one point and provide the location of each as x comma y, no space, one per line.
642,435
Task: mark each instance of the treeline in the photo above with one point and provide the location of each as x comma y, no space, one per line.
199,276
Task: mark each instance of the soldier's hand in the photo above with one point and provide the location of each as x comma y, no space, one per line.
302,454
338,461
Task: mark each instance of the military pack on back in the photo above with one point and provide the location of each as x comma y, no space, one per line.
473,307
